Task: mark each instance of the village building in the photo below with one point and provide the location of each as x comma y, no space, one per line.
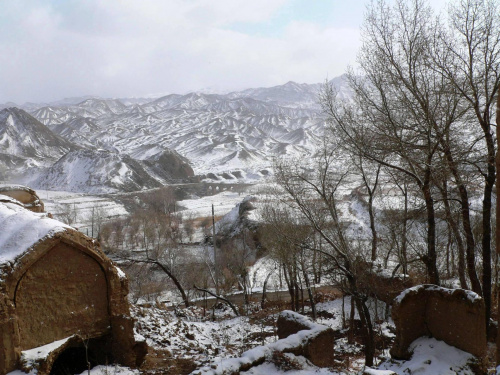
61,298
24,195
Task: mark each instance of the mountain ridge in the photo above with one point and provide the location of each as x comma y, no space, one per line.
219,135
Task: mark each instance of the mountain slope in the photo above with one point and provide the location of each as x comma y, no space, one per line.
93,171
24,136
237,133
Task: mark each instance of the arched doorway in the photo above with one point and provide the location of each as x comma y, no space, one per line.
81,354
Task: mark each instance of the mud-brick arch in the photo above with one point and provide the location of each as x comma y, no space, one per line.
63,286
64,292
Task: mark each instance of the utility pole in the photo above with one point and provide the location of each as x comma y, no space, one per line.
92,222
216,273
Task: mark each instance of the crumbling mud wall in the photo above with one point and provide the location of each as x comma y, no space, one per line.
298,335
65,290
24,195
455,316
318,349
60,286
381,283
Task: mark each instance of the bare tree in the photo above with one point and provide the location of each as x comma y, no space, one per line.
68,213
312,191
468,56
289,240
405,113
157,245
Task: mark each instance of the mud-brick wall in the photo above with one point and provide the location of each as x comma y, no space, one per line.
27,197
8,337
63,293
455,316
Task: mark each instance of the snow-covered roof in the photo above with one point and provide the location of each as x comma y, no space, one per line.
7,187
21,229
7,199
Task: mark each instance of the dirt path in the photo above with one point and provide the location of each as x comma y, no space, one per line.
281,296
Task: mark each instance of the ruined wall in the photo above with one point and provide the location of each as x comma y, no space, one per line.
318,348
64,285
455,316
8,356
311,340
63,293
379,282
25,195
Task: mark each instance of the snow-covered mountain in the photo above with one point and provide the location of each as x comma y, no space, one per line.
291,94
23,136
227,137
101,171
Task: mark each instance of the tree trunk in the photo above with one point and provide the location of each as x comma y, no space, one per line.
404,257
290,287
456,233
372,227
296,295
469,236
497,229
309,292
343,311
369,335
264,290
431,257
487,208
350,336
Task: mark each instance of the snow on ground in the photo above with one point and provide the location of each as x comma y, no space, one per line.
293,365
81,207
111,370
432,357
201,207
206,342
198,339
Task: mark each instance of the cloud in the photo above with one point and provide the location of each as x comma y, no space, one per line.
51,50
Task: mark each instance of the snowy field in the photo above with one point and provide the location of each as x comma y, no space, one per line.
202,207
81,207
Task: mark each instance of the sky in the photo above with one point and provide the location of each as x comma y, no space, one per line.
55,49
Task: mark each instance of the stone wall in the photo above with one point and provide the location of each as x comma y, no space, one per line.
455,316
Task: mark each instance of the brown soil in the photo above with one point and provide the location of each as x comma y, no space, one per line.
160,361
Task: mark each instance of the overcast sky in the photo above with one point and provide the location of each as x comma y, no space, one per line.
54,49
